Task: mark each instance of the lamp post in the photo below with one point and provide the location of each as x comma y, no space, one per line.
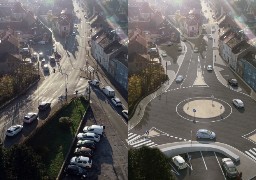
191,138
66,88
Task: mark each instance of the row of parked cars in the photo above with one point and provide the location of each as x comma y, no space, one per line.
110,92
28,118
85,148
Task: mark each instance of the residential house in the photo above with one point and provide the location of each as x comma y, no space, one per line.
9,63
62,25
247,69
137,42
191,25
105,46
8,43
225,51
118,68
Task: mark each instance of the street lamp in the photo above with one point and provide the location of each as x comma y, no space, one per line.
66,88
191,138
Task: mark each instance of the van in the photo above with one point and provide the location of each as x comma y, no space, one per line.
107,90
97,129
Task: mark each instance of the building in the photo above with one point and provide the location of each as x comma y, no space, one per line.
118,68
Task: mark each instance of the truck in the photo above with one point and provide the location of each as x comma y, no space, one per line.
108,91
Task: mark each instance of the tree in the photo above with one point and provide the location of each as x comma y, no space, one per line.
134,90
21,162
148,163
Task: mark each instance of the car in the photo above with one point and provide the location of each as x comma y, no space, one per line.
75,170
232,82
203,27
75,26
170,44
52,59
94,82
213,17
88,136
195,49
213,29
13,130
86,143
46,68
125,113
41,55
179,48
83,151
182,38
238,103
44,106
179,78
205,134
179,162
43,61
73,33
209,68
34,56
116,101
42,42
97,129
229,168
30,117
210,36
164,55
81,161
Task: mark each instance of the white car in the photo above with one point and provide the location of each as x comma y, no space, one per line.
88,136
195,49
238,103
116,101
179,78
125,113
42,42
13,130
209,68
179,162
164,55
210,36
41,55
30,117
46,68
81,161
97,129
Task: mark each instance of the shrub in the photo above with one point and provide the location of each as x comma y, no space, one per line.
65,122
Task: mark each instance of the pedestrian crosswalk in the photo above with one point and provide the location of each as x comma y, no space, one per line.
81,86
251,153
138,141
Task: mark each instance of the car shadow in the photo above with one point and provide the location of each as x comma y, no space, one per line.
10,141
29,127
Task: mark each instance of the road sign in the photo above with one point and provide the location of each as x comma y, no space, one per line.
194,110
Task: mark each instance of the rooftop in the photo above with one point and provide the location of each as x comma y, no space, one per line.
113,47
233,42
122,57
105,41
241,47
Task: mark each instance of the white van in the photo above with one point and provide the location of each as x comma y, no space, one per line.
109,91
97,129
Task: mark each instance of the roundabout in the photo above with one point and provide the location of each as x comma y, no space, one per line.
203,109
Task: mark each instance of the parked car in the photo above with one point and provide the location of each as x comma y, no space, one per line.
41,55
182,38
44,106
195,49
97,129
75,170
205,134
169,44
229,168
42,42
83,151
210,36
116,101
81,161
164,55
88,136
238,103
94,82
209,68
179,48
46,68
86,143
179,78
73,33
125,113
52,59
30,117
13,130
179,162
232,82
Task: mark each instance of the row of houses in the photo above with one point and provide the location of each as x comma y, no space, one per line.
237,48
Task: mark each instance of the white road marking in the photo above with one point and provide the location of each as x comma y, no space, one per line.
190,163
220,166
174,170
249,154
203,160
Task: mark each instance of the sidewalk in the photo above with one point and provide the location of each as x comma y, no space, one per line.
140,109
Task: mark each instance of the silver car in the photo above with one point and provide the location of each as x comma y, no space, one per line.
13,130
205,134
238,103
179,78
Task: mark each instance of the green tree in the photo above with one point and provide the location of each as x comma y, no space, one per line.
21,162
6,86
134,90
148,164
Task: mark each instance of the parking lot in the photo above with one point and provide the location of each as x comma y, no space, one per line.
203,165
